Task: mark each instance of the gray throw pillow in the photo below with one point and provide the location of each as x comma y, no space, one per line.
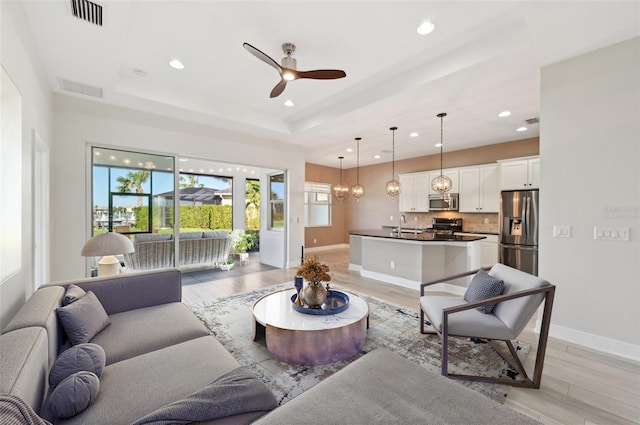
73,293
151,237
483,286
83,319
191,235
81,357
74,394
215,234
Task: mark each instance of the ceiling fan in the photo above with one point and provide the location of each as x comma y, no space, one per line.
288,70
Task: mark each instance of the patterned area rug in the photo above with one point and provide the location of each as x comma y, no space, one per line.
230,319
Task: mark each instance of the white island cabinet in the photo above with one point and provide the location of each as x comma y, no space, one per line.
412,259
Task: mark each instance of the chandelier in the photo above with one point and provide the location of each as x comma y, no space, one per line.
340,190
357,190
441,183
393,187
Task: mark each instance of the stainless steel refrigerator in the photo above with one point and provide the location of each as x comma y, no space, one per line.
519,230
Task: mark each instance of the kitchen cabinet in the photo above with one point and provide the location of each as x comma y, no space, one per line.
414,192
521,173
479,189
452,173
489,248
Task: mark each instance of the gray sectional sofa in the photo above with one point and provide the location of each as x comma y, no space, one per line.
157,352
155,250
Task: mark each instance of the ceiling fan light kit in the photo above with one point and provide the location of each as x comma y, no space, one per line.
287,68
393,186
441,183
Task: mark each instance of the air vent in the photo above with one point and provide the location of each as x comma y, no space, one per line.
80,88
87,11
535,120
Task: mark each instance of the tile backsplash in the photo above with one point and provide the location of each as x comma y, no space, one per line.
471,222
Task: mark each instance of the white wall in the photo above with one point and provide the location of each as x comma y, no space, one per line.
19,58
80,123
590,162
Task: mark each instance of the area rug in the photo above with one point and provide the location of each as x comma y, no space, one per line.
391,326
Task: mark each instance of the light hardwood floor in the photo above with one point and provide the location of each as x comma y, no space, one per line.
579,385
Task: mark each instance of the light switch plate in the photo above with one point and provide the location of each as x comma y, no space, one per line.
611,233
561,231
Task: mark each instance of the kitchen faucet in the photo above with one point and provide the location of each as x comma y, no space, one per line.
403,219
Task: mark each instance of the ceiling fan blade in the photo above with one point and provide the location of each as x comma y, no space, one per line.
322,74
278,89
262,56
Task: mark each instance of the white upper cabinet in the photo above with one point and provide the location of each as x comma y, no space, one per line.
452,173
523,173
479,189
414,192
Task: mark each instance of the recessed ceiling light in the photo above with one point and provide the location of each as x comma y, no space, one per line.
437,145
288,103
140,73
349,149
183,159
376,157
521,129
426,27
504,114
176,64
414,134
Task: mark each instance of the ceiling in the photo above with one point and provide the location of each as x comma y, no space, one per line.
482,58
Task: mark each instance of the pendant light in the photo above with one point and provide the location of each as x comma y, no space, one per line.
442,183
357,190
340,190
393,187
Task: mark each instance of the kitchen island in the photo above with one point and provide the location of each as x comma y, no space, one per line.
409,259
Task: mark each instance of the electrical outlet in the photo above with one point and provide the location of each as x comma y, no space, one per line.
315,240
562,231
611,233
486,220
392,264
390,218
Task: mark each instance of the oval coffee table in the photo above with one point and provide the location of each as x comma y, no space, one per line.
299,338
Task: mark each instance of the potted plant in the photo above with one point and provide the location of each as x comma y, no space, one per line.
315,274
241,241
227,265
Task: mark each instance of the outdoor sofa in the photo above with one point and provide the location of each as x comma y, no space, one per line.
156,250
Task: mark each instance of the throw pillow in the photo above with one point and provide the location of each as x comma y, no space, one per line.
73,293
81,357
74,394
483,286
83,319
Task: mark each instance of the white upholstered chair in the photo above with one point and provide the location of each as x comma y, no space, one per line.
452,316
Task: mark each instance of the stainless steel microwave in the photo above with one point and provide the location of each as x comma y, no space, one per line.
443,202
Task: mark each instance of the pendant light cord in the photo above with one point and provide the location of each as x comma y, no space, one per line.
393,152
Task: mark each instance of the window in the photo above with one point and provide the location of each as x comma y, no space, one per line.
276,201
206,202
317,204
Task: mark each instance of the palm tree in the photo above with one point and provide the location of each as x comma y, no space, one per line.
133,181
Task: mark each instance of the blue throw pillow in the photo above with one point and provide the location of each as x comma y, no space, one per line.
483,286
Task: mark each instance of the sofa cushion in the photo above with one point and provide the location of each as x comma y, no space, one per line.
481,287
83,319
151,237
72,294
82,357
190,235
216,234
24,365
140,331
135,387
74,394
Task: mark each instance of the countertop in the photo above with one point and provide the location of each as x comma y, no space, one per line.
422,237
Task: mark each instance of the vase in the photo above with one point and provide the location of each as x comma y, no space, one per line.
314,295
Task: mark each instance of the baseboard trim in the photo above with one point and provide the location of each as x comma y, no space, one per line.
325,247
407,283
595,342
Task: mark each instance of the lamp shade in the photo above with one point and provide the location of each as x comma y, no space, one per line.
107,244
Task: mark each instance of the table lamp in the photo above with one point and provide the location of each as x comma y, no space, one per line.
107,245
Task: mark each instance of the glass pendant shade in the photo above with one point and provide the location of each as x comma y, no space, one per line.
393,186
340,190
442,183
357,190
